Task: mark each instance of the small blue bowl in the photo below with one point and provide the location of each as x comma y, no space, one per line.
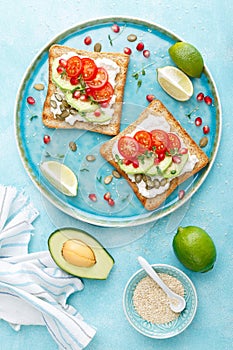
166,330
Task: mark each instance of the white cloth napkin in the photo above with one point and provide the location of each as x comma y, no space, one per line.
33,290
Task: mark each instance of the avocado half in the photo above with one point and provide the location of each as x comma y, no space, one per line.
103,260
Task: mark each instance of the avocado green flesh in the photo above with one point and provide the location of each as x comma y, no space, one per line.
104,261
142,169
163,165
62,83
175,168
81,106
101,119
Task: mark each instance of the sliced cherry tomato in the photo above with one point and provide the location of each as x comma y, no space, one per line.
89,68
128,147
74,66
100,79
173,141
104,94
144,138
159,135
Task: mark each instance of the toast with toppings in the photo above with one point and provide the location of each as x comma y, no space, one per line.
155,155
85,90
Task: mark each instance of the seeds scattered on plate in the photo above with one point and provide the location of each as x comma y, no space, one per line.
90,158
108,179
39,87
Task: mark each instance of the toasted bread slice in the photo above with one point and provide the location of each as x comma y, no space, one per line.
154,111
111,127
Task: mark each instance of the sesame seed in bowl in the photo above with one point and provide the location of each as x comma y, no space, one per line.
146,306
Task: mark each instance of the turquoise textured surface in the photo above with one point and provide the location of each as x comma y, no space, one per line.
26,27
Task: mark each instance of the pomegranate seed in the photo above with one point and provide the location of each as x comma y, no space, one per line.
161,156
208,100
74,80
92,197
97,113
127,51
183,150
115,28
176,159
146,53
127,161
206,129
181,194
104,104
140,46
135,164
87,40
200,96
198,121
46,139
62,62
76,94
111,202
107,196
88,91
150,98
156,161
60,69
31,100
83,97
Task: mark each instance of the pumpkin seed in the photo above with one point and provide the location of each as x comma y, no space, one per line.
97,47
73,146
116,174
138,178
163,182
90,158
53,104
203,142
149,184
73,111
58,97
39,87
62,108
108,179
132,37
145,178
65,113
65,104
156,183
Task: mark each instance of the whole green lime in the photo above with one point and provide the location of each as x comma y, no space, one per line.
194,248
187,58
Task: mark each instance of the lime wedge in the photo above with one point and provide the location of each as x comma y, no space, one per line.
60,176
176,83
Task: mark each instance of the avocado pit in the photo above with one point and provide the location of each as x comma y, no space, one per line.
77,253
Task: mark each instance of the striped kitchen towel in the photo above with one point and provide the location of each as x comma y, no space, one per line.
33,290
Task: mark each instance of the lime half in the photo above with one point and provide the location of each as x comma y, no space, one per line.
187,58
60,176
175,83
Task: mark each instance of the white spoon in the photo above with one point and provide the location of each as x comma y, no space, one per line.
177,302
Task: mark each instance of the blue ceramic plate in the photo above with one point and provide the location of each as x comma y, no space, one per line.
30,130
166,330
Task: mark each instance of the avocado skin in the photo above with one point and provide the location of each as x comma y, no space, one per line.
104,261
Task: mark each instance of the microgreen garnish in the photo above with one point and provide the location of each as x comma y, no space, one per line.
99,179
33,117
141,72
192,111
84,169
159,171
56,156
112,39
118,159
